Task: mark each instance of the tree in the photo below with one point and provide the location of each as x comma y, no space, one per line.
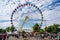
52,28
42,31
23,32
1,30
8,29
12,28
36,28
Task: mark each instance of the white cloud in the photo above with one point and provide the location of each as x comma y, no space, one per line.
6,9
52,15
5,24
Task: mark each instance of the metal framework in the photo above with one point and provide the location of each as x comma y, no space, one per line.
26,5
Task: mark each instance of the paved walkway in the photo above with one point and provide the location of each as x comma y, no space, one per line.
31,38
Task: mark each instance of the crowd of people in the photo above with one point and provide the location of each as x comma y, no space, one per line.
29,35
37,35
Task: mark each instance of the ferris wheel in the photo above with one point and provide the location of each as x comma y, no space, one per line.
26,15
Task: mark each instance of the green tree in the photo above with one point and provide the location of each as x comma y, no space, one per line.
52,28
42,31
12,28
23,32
1,30
8,29
36,28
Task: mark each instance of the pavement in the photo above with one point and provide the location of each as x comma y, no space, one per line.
29,38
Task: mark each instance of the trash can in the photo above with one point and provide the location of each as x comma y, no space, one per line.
0,36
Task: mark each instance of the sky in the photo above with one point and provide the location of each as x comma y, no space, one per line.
50,10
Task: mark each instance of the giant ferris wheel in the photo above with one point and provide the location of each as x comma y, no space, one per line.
26,15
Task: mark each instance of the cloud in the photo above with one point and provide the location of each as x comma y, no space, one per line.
5,24
52,16
49,8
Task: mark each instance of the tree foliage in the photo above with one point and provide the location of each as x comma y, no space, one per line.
8,29
36,28
2,31
12,28
52,28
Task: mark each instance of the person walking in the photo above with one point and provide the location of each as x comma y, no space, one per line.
4,36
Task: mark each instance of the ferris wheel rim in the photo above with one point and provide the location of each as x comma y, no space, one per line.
29,4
